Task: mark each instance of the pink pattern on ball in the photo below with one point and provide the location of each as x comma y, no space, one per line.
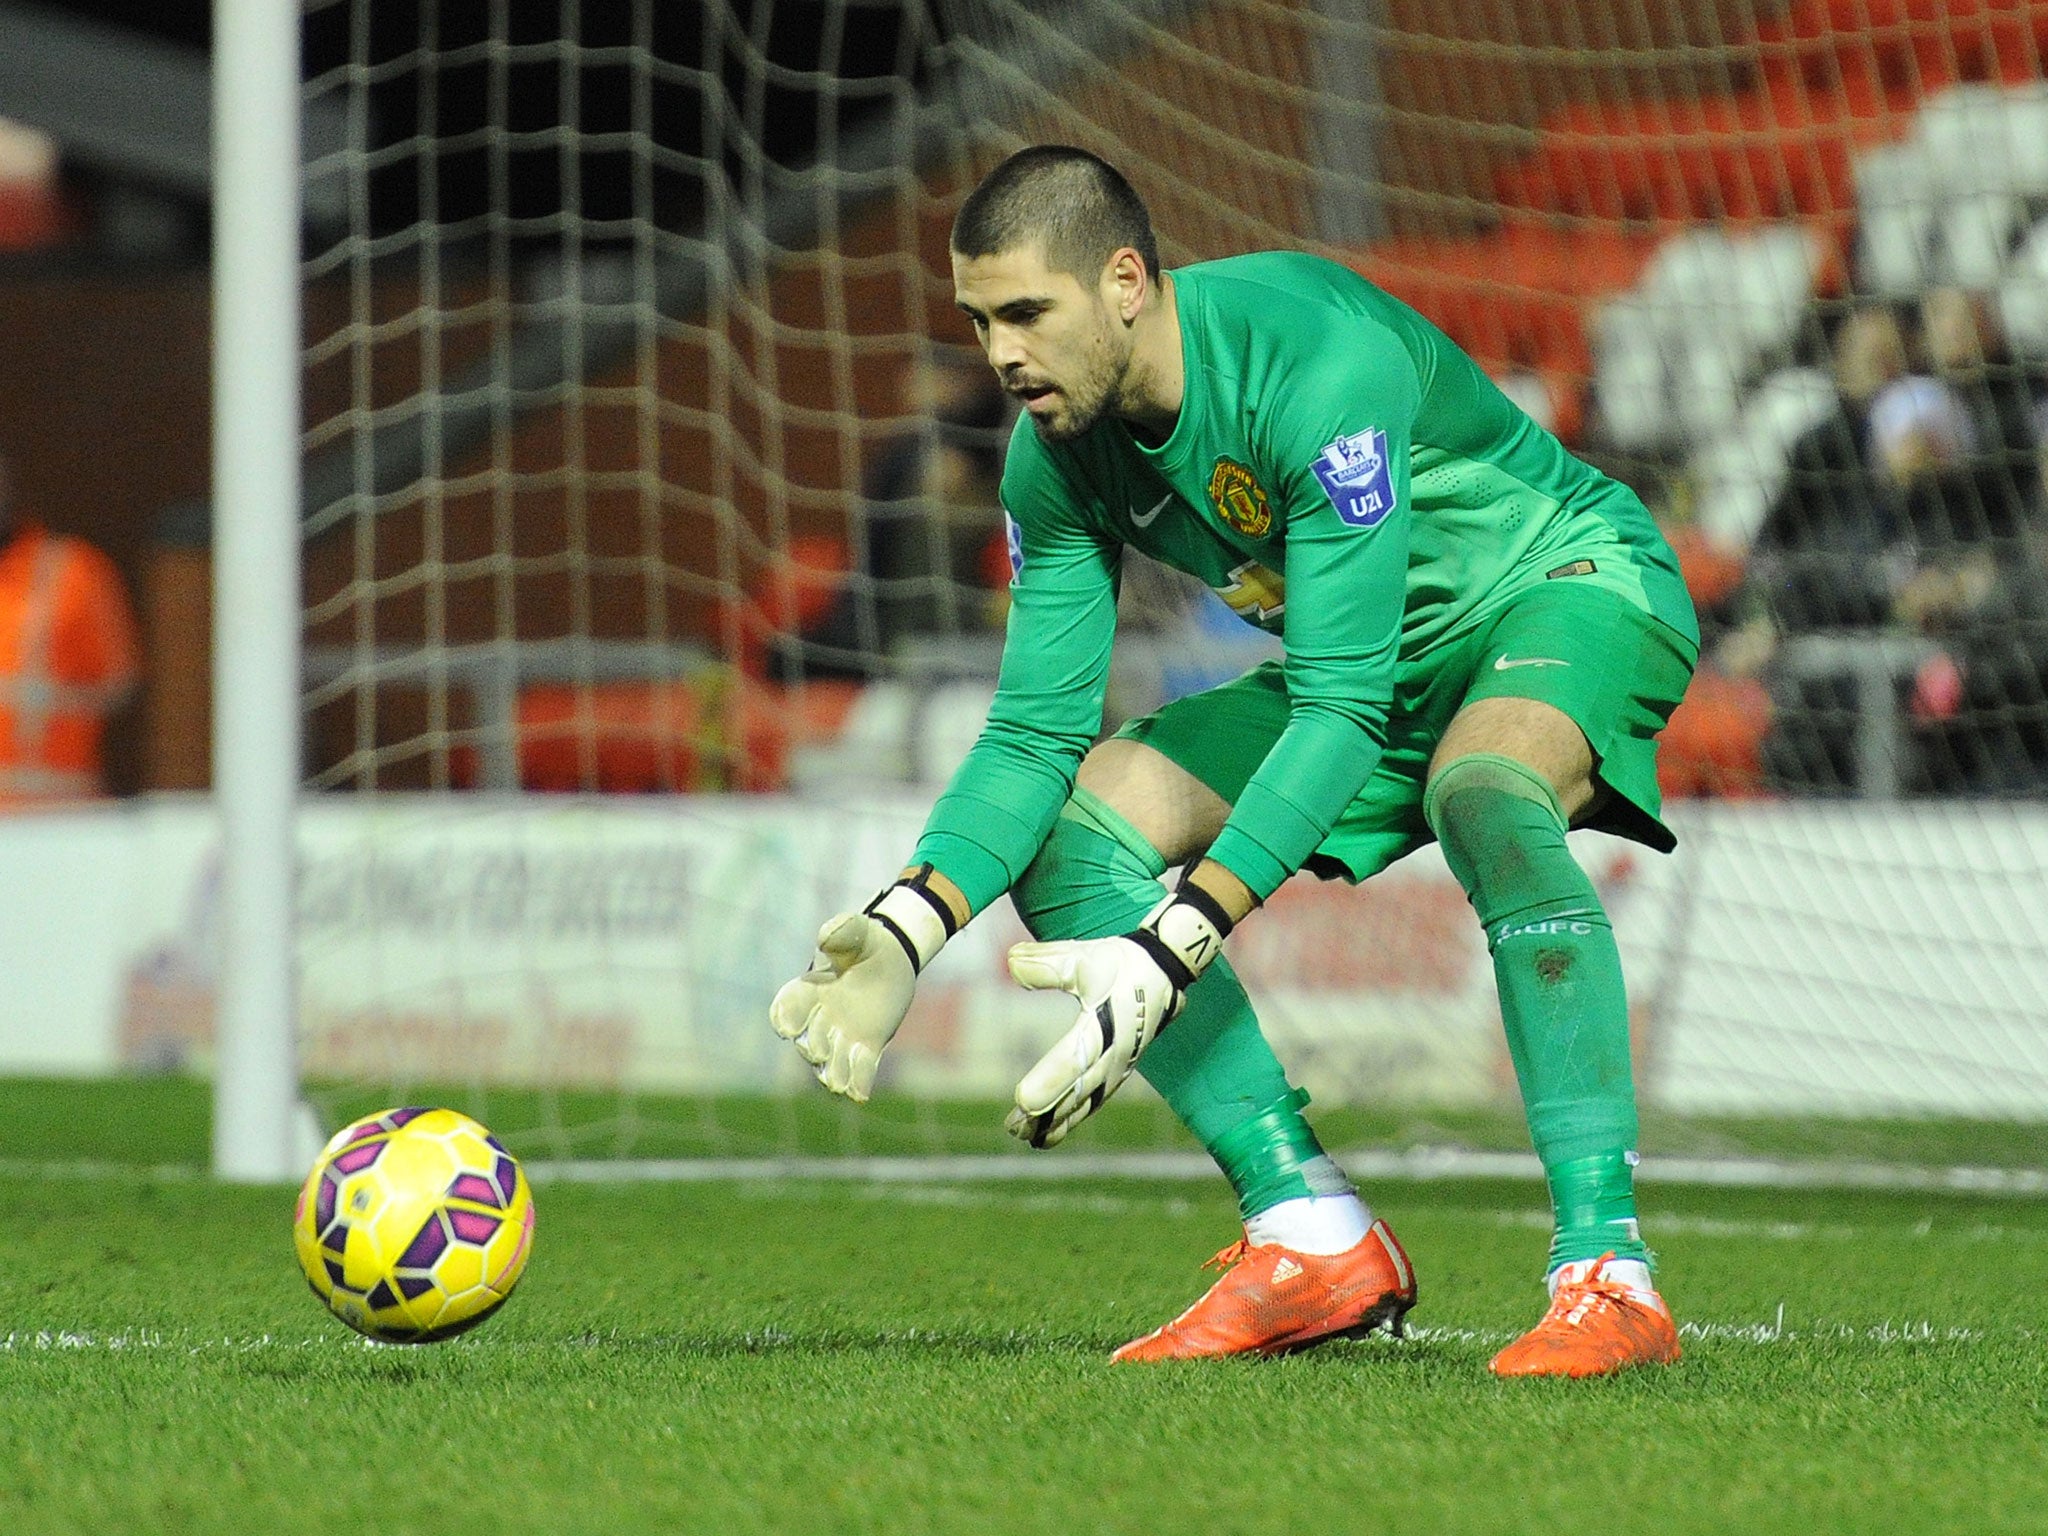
471,1227
470,1186
355,1159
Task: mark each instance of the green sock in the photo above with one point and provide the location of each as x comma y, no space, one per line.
1096,876
1561,994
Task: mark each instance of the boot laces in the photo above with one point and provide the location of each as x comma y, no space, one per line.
1578,1299
1230,1257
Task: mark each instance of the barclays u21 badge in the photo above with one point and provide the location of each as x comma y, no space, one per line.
1357,478
1013,536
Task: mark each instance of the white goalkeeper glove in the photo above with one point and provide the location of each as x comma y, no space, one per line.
846,1008
1129,988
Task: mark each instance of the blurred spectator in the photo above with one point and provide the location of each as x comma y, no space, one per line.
1957,447
1916,546
1818,560
1949,512
67,660
1826,558
1979,702
1919,426
1966,350
935,557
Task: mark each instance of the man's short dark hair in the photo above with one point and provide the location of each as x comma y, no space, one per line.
1076,206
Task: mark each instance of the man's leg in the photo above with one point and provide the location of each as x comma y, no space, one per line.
1508,778
1133,812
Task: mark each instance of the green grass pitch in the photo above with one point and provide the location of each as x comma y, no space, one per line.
818,1357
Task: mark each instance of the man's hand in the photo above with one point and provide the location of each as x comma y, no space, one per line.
1125,1000
1128,989
847,1007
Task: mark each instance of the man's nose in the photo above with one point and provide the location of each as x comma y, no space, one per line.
1005,350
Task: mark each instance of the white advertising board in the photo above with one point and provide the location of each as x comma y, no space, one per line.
1842,959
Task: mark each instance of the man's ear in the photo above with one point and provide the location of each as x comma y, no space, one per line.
1126,283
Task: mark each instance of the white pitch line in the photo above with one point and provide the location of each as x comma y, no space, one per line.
1366,1164
93,1168
990,1168
1421,1164
1657,1223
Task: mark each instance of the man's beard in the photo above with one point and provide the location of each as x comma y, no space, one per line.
1105,388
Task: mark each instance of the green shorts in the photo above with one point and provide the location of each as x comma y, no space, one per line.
1617,672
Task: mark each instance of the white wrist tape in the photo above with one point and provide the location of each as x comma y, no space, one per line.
1190,933
1191,927
918,920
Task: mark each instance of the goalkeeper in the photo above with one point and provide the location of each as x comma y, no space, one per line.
1483,637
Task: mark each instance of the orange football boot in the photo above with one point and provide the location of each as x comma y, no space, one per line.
1272,1300
1595,1327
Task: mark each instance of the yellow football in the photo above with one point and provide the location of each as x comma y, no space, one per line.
414,1225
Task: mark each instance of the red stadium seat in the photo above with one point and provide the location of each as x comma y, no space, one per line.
1517,298
1713,744
34,214
1783,151
715,731
784,598
1912,45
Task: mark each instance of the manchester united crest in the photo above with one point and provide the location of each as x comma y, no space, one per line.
1239,500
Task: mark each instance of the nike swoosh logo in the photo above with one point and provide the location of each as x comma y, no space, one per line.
1146,519
1502,664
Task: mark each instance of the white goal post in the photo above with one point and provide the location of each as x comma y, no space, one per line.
256,609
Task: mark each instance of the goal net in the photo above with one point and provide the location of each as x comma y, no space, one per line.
655,573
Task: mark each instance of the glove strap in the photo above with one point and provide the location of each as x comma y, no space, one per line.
1175,969
917,915
1190,926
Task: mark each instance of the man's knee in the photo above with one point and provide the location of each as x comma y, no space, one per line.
1485,809
1094,874
1540,737
1459,792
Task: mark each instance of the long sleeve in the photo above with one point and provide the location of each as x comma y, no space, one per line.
988,825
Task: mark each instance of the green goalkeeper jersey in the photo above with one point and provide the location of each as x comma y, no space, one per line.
1343,477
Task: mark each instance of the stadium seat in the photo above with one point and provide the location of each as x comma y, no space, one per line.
1778,152
1977,233
872,742
1897,211
1634,382
1714,742
1517,298
1749,288
1987,138
1710,308
1739,474
1910,44
2022,299
1949,203
784,597
1830,146
714,731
